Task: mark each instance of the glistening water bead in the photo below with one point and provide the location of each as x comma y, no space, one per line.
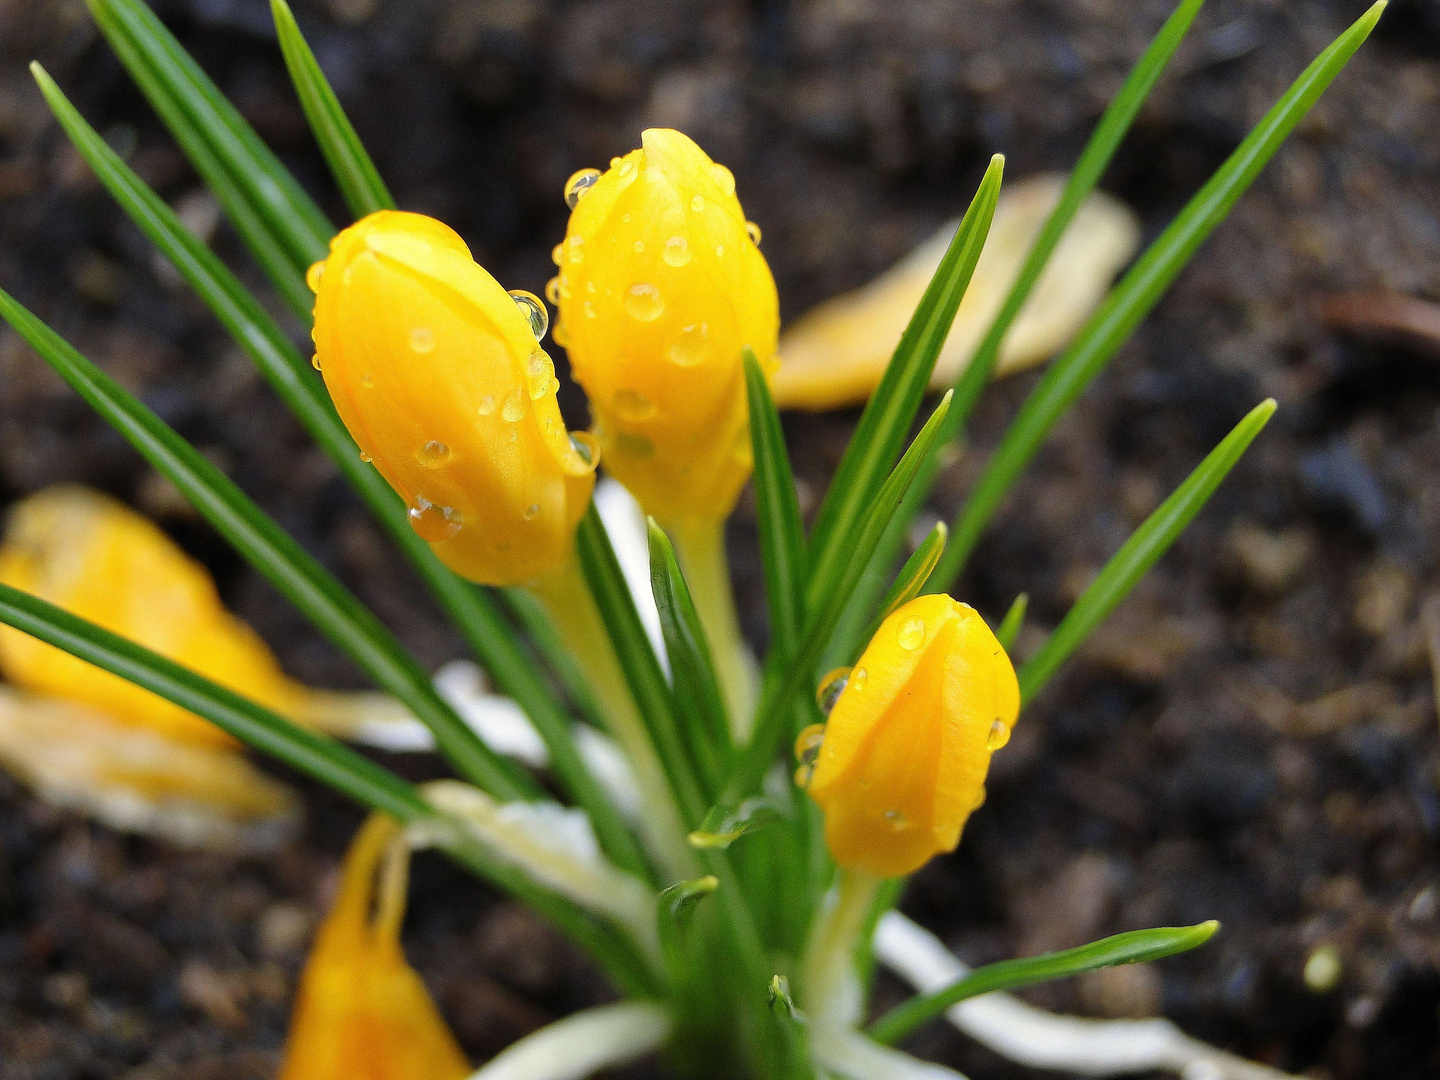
911,634
534,311
579,183
644,302
433,523
807,752
830,689
997,736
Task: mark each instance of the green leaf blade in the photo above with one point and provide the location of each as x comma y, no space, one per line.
1013,622
358,179
1135,946
1136,295
1145,546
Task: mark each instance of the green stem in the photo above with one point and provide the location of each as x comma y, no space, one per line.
701,548
567,600
830,988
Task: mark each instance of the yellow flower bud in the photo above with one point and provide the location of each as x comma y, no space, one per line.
437,373
98,559
362,1013
908,743
660,286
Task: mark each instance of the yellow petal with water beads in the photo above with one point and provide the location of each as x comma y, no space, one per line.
660,289
362,1013
906,748
439,376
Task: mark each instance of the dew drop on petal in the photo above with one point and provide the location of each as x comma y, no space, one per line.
895,819
676,251
539,373
719,251
690,346
857,680
997,736
534,311
433,454
433,523
422,340
723,177
644,302
979,799
614,161
578,184
364,456
639,247
586,448
315,361
560,335
575,249
632,406
911,635
753,231
807,752
830,689
367,381
697,203
513,409
487,405
557,253
532,512
314,274
552,290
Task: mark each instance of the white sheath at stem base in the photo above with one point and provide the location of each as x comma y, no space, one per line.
1044,1040
582,1043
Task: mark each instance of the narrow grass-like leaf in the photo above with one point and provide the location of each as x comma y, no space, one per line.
722,828
638,662
322,759
692,673
293,379
333,610
1136,294
913,574
777,512
1011,624
797,670
355,174
1151,540
274,216
1134,947
537,628
880,434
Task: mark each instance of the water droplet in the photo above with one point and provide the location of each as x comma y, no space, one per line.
830,688
315,361
433,523
487,405
367,381
532,511
560,335
639,247
644,302
578,184
314,274
632,406
590,288
998,736
979,799
911,635
614,161
719,251
807,752
575,249
539,373
627,167
697,203
421,339
895,819
589,309
552,290
753,231
433,454
534,311
724,177
690,346
364,456
676,251
513,410
634,445
586,447
857,680
557,253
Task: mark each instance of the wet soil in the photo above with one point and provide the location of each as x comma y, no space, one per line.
1253,737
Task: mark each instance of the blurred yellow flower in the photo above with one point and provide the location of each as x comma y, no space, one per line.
661,284
362,1013
909,740
439,376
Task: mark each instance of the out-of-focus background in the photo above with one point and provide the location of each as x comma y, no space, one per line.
1252,737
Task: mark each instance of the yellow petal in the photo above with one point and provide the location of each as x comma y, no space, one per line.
440,379
660,286
96,558
140,781
908,742
835,355
362,1013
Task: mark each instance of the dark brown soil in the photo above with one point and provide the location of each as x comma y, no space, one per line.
1192,763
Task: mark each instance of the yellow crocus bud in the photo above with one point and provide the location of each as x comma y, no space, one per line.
362,1013
98,559
437,373
661,285
909,739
